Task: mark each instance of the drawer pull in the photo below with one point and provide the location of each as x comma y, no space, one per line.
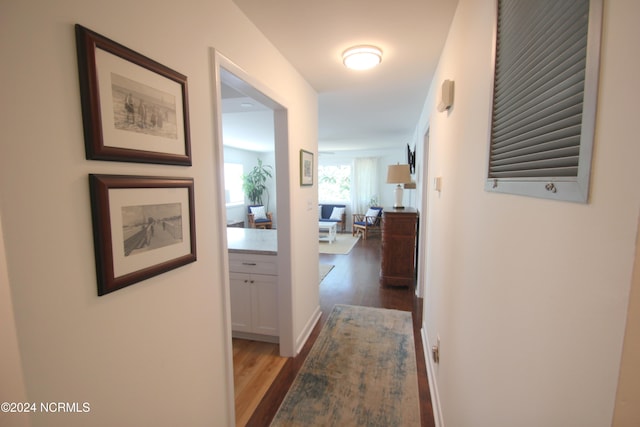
249,263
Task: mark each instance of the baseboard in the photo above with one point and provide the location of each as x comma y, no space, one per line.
306,332
255,337
433,385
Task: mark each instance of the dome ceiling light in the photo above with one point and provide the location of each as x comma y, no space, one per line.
362,57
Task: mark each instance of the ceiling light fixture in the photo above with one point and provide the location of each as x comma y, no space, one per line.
362,57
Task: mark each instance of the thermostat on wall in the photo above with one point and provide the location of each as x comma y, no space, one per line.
446,97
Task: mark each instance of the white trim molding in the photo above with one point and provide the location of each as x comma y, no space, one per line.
433,386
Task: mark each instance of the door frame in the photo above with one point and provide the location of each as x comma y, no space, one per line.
422,219
240,80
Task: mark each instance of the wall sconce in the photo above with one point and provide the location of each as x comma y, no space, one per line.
398,174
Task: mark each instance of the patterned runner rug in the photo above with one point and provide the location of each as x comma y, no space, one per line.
361,371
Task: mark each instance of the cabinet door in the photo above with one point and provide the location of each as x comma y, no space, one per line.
265,304
400,256
240,295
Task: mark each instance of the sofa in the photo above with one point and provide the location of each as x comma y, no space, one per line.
333,213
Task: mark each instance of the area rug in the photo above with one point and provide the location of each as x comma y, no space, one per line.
324,270
342,245
361,371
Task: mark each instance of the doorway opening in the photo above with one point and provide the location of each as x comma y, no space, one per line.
252,129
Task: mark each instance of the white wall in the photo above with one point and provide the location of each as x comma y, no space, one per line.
11,378
155,353
627,412
528,296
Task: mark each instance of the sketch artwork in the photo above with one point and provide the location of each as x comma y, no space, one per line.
143,109
148,227
307,172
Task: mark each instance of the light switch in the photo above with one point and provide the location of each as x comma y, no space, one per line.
437,183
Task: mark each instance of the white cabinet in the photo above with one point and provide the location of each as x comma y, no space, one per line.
254,296
254,303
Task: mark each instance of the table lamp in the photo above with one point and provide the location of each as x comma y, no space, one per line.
398,174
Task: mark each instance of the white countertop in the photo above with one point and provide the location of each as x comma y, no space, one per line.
252,240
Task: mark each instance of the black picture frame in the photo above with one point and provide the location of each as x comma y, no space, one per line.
411,159
134,109
143,226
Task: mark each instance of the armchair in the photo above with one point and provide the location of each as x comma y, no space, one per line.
363,223
258,218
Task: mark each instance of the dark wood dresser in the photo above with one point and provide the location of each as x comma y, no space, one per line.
399,240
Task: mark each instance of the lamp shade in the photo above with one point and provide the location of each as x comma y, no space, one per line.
398,174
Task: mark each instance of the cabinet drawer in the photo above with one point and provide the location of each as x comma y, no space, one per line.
257,264
399,227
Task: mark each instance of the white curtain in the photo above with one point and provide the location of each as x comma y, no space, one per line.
365,186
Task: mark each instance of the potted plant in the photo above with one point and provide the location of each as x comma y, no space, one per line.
253,183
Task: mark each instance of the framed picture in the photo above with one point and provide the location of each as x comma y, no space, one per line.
306,168
411,159
142,226
133,108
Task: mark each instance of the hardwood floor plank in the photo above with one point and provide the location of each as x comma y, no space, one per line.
256,365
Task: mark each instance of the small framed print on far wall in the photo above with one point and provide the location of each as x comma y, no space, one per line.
306,167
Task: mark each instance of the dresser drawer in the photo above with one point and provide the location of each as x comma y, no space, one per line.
257,264
399,226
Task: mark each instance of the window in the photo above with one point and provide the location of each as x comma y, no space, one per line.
233,193
334,183
545,84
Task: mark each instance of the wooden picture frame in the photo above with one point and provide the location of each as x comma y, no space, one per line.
306,167
133,108
142,226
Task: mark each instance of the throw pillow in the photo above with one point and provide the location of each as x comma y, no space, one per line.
336,214
258,212
371,215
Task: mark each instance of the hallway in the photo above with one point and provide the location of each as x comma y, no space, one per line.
353,280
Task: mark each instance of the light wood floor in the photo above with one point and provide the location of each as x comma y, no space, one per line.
255,366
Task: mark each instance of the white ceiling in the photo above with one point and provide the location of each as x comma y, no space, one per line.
246,122
370,109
